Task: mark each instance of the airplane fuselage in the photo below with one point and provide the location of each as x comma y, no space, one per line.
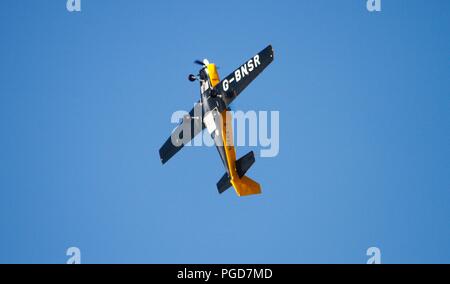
219,125
215,97
213,107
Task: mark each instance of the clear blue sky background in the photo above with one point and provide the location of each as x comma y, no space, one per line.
85,104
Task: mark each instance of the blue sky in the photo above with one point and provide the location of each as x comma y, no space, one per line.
85,104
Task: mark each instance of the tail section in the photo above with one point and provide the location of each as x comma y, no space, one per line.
241,183
244,163
224,183
246,186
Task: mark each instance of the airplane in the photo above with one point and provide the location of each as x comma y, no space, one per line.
210,112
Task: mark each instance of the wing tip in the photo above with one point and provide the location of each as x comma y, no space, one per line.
162,158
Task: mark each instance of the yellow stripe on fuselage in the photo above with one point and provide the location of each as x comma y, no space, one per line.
213,74
242,185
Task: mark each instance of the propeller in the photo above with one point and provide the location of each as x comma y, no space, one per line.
193,77
199,62
203,63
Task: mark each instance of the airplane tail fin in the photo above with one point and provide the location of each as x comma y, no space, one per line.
246,186
243,184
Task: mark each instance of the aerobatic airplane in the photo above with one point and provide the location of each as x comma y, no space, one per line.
210,112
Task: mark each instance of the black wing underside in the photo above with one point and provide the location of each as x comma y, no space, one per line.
169,149
232,85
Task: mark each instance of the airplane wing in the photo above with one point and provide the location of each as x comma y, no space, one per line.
237,81
178,138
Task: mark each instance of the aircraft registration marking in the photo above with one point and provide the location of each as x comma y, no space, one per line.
242,72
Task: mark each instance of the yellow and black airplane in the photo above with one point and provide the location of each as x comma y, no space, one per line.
211,112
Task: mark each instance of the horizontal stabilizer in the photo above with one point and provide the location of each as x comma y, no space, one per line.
242,184
224,183
244,163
